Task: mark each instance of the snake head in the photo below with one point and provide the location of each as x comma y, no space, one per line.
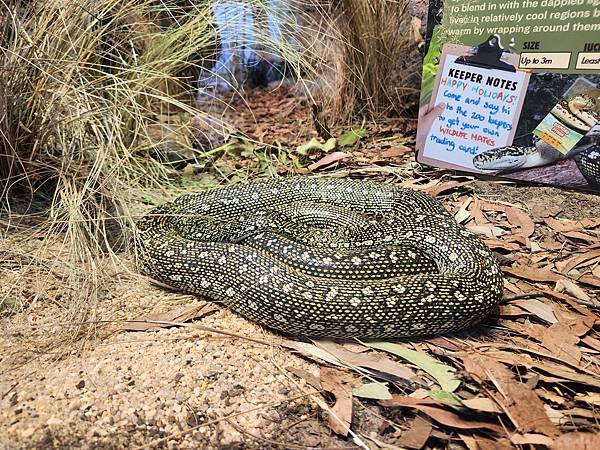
504,158
581,102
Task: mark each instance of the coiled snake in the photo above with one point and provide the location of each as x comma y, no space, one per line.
317,257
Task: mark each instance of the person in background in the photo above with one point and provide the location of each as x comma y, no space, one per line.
238,59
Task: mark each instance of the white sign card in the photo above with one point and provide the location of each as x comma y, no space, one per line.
482,110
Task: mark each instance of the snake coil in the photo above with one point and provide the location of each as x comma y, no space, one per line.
323,257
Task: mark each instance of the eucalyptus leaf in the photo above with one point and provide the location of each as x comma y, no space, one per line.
444,374
351,137
462,215
445,397
377,391
315,145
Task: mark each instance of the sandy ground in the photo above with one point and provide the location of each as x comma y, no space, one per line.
134,388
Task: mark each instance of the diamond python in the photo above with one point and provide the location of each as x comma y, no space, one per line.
324,257
581,113
512,158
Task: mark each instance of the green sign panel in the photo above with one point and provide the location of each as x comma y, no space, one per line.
511,89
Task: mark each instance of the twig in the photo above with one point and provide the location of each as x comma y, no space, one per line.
510,298
9,391
182,324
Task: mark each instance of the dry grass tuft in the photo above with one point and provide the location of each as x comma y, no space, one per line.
372,64
84,85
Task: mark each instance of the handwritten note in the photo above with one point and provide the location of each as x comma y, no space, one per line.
482,111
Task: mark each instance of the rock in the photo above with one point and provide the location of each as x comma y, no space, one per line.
74,405
178,376
13,399
54,422
28,432
236,390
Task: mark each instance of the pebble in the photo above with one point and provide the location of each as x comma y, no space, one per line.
28,432
54,422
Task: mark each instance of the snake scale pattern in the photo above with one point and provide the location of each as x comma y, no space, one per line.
324,257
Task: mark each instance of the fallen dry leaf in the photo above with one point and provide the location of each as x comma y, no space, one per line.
571,302
494,243
477,213
442,416
340,384
558,370
482,404
532,439
396,151
532,273
444,374
564,225
520,218
523,406
581,236
579,326
589,397
538,308
469,441
488,230
554,398
589,279
312,351
446,342
378,362
417,434
591,342
577,441
526,408
571,288
481,443
562,343
565,266
182,314
437,189
328,160
518,238
311,379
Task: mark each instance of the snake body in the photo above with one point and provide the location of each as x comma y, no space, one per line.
324,258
